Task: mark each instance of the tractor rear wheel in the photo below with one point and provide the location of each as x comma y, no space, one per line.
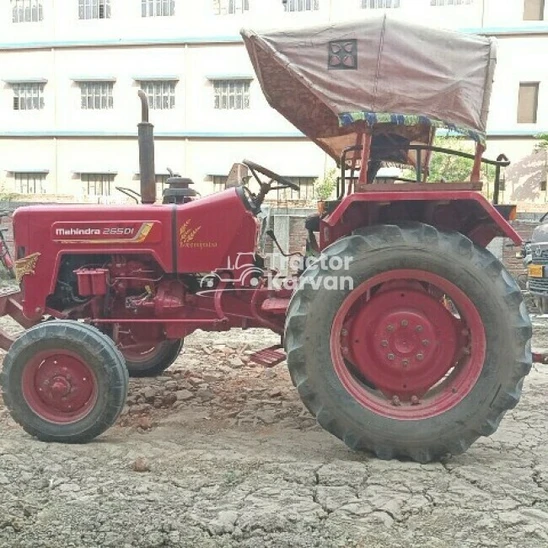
416,349
153,359
64,381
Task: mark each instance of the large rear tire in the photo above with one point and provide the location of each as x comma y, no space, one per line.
64,381
424,352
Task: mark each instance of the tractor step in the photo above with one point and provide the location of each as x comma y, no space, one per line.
269,357
540,355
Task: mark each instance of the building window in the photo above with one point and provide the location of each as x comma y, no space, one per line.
231,94
161,94
94,9
28,96
96,95
305,192
533,10
157,8
97,184
380,4
219,182
443,3
528,103
30,183
27,11
230,7
301,5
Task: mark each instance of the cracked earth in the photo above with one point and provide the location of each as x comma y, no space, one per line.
218,452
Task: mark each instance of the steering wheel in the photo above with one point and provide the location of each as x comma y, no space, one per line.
249,199
283,181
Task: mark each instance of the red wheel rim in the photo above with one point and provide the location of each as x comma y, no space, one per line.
141,353
408,344
59,386
139,343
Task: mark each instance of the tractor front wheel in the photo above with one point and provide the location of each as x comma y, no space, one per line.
64,381
408,342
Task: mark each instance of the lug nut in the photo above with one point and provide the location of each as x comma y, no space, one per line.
418,328
405,362
390,328
391,357
384,343
420,357
425,342
396,401
404,323
414,400
344,332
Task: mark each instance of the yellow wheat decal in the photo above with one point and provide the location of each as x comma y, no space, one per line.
26,266
187,234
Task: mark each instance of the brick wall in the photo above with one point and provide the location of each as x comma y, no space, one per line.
524,227
297,234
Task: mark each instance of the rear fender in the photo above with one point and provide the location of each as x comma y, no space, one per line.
468,212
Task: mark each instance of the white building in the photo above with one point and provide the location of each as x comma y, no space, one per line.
70,71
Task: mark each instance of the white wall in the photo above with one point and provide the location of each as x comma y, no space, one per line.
195,44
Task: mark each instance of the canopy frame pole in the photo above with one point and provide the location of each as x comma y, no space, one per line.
476,170
364,164
428,156
351,182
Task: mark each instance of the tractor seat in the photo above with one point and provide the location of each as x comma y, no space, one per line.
312,222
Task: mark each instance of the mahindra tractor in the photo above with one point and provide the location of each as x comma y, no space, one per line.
404,336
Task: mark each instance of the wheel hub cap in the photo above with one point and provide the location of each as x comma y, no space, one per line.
59,386
403,341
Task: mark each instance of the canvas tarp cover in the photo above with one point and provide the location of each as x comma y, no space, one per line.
327,80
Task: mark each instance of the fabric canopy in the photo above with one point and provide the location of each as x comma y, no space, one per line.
398,78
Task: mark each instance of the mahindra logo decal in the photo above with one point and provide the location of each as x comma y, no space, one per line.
77,232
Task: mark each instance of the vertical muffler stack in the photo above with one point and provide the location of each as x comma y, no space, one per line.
146,154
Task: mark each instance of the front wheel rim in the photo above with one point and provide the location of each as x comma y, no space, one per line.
59,386
408,344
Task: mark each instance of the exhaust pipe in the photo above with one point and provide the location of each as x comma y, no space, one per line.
146,154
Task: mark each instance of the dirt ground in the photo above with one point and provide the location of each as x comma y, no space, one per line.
219,452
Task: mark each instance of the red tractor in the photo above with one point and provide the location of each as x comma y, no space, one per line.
403,334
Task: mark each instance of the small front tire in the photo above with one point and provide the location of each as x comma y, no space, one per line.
64,381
